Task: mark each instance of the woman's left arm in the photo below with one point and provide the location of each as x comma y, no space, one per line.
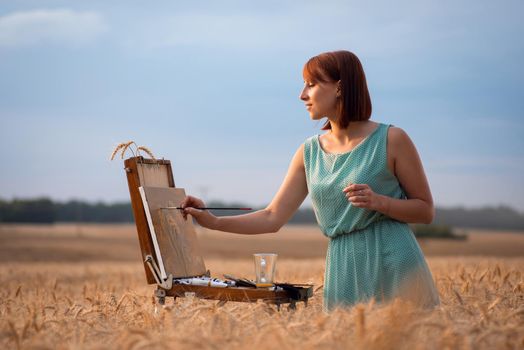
418,207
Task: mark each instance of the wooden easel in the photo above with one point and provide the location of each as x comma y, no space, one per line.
177,254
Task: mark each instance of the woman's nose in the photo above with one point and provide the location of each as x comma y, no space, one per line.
303,95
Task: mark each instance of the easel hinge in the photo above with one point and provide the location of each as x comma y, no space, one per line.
153,267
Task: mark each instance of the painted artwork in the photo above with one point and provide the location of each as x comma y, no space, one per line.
174,238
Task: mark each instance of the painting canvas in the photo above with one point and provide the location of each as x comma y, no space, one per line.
174,238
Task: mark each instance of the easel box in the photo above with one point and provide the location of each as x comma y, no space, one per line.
174,248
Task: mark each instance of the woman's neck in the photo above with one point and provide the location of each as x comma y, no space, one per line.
353,130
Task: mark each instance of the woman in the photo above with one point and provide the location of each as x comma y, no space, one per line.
366,183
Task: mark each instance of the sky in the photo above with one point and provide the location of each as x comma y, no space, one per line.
214,87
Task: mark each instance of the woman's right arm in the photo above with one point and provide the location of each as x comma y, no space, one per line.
291,194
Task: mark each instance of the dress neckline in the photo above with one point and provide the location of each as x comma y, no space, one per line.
354,148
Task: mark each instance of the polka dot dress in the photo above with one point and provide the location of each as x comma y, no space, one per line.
370,255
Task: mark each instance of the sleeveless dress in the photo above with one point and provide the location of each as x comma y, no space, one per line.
370,255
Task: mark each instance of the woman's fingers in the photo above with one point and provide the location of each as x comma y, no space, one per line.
358,194
203,217
355,187
190,203
195,212
362,198
185,202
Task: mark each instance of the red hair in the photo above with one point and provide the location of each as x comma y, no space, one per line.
354,103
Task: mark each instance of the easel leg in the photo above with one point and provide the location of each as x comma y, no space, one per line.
161,296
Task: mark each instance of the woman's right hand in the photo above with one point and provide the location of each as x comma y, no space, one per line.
203,217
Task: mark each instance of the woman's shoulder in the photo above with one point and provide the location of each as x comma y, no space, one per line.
398,139
311,138
310,141
397,134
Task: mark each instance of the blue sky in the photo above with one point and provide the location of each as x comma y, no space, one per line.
213,86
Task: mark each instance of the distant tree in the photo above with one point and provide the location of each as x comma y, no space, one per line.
436,231
40,210
502,217
77,211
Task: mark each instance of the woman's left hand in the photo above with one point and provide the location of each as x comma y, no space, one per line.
362,196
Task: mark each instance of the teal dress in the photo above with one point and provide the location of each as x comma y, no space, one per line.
370,255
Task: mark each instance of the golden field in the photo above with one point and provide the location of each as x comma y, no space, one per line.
83,286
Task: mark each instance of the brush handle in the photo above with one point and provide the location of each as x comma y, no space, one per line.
209,208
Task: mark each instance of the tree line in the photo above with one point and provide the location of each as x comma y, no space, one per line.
45,210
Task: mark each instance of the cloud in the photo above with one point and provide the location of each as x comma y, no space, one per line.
60,26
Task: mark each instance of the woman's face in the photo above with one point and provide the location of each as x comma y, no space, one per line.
320,99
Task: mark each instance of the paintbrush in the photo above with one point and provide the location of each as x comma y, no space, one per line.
209,208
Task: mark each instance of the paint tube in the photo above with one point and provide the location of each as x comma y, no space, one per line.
202,281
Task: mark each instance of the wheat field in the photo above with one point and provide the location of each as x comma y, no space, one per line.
76,287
